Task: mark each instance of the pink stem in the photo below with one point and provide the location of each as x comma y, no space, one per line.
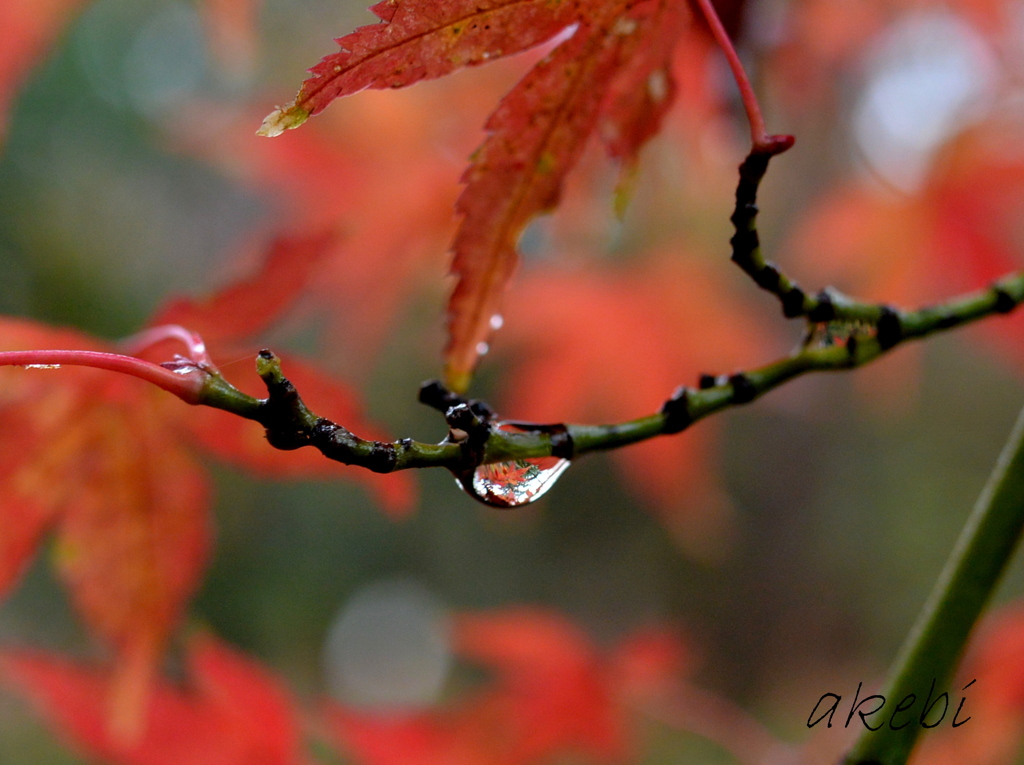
187,386
762,142
147,338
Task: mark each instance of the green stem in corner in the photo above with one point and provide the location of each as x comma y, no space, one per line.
936,641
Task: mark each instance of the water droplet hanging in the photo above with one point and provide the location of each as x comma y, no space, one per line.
514,482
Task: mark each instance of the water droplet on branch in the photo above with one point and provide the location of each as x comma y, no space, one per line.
182,366
831,333
515,482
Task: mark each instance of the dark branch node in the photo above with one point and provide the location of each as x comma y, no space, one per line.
470,432
889,328
436,396
851,349
1004,300
677,411
285,437
462,417
793,302
281,412
324,432
383,457
562,444
282,396
746,243
339,443
743,390
769,278
744,213
706,381
752,170
333,441
290,425
824,310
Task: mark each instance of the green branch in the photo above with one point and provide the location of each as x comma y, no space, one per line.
474,438
842,333
935,643
830,305
290,424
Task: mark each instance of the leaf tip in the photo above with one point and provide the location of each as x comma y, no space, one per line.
624,188
457,380
279,120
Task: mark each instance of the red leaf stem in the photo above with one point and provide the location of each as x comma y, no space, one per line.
762,142
185,382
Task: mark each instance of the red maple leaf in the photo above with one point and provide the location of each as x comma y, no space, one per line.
645,85
553,694
107,465
99,460
423,39
535,137
230,712
614,67
471,733
551,684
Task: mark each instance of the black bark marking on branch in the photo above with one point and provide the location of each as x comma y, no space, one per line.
280,413
677,411
793,302
472,423
461,417
290,425
561,442
706,381
746,243
436,396
889,328
743,390
1004,300
851,350
383,457
824,309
